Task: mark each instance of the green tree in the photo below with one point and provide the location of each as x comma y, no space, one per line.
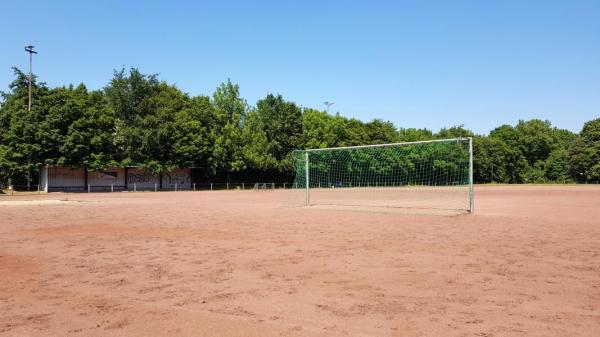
413,135
89,141
191,139
536,139
557,167
128,97
321,130
496,161
25,139
281,122
158,129
541,145
230,112
128,92
145,110
258,151
350,131
584,153
378,131
454,132
139,120
488,156
507,133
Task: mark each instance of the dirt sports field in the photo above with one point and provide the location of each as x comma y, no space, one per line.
242,264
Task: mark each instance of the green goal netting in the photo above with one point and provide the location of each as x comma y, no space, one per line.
425,176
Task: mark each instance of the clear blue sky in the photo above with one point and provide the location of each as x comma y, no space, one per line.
416,63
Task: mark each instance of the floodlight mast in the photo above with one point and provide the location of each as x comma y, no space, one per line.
328,104
30,50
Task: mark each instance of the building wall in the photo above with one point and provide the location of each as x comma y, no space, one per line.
181,176
142,180
57,178
65,179
106,178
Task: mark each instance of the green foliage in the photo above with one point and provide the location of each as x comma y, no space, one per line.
584,153
192,138
139,120
321,130
230,112
536,139
89,140
413,135
281,123
145,109
258,152
535,152
28,138
454,132
378,131
557,167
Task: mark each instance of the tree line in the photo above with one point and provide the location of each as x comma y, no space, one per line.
139,120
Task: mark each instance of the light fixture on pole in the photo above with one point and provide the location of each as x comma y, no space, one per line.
328,104
29,49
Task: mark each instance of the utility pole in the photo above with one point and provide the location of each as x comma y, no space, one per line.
29,49
328,104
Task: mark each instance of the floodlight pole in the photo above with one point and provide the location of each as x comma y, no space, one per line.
328,104
29,49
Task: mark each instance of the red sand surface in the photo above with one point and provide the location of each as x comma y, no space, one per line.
242,264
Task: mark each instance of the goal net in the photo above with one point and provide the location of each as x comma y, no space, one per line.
420,177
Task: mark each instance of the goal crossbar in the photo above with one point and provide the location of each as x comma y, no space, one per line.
458,139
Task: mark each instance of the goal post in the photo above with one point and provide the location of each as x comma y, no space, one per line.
433,175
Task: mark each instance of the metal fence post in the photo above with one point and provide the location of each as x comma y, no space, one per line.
211,186
228,186
135,187
175,187
155,187
89,187
194,186
242,186
112,188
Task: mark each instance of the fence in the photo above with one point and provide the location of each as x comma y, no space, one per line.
193,187
134,187
21,189
256,186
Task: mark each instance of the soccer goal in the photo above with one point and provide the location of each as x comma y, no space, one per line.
422,177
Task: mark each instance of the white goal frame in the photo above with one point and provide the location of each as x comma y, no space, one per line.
458,139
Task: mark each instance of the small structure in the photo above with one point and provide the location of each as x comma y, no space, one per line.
66,179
